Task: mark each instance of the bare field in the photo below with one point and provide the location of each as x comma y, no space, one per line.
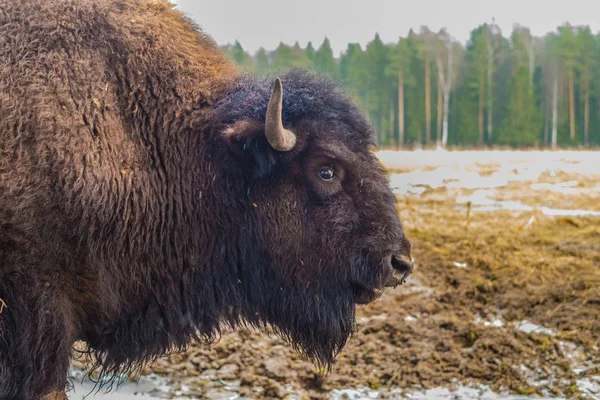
504,302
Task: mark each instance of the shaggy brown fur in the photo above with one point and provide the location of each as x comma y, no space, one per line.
141,206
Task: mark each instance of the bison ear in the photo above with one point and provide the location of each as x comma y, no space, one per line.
249,146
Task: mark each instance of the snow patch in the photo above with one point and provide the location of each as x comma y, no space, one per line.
590,386
146,388
462,392
530,327
496,323
524,162
364,320
480,201
458,170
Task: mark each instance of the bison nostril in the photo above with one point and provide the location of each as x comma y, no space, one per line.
402,264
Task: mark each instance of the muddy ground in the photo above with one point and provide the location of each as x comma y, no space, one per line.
507,300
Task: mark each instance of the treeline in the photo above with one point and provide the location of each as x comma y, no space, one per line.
428,89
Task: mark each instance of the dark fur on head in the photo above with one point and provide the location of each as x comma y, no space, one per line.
141,206
306,96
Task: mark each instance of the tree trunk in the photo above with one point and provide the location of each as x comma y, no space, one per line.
444,86
392,136
546,124
531,62
447,88
438,133
380,128
586,118
427,101
400,109
369,113
445,118
490,74
572,108
555,107
481,117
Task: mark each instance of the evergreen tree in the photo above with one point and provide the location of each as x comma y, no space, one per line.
476,73
536,90
447,54
240,56
285,57
347,61
415,99
492,37
553,84
595,100
568,53
425,54
324,61
375,61
310,52
261,62
399,68
522,125
587,67
354,73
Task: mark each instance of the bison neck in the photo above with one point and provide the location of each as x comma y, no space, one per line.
168,256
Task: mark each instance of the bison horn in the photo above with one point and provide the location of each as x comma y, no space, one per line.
279,138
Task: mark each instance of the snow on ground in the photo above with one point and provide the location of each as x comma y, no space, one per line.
475,392
434,169
568,161
589,386
139,390
453,169
482,201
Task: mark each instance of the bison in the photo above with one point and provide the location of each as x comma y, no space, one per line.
151,194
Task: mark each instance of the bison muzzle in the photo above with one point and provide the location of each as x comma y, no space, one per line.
151,194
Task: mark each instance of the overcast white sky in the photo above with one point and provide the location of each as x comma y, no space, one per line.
265,23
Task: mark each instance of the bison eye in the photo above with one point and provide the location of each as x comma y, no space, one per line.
326,173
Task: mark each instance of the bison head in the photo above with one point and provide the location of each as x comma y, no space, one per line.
316,229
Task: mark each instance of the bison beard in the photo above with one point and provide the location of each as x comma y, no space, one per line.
146,200
318,327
